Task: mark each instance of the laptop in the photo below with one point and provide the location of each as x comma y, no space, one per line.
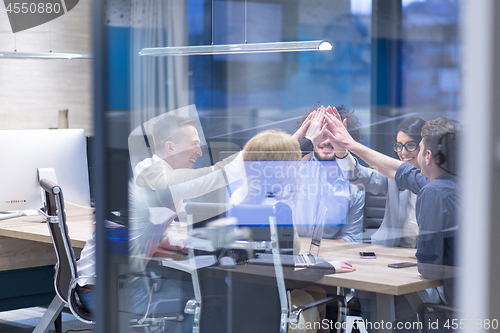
310,258
302,259
257,219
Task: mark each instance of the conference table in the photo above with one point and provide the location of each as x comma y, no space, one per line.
372,275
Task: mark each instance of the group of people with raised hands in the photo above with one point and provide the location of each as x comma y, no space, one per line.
421,190
428,170
320,177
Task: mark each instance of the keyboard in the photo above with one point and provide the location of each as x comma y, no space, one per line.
300,260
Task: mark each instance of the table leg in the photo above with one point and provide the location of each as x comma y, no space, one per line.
340,315
385,313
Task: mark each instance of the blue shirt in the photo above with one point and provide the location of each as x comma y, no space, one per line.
436,211
326,197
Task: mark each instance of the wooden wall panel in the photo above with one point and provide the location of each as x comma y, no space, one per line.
32,91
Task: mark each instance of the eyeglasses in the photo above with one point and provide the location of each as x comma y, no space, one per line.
410,146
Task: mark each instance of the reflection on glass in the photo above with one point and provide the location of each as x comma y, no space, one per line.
193,195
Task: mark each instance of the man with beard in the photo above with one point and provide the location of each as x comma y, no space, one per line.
326,198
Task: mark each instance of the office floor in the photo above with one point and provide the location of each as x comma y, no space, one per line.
25,320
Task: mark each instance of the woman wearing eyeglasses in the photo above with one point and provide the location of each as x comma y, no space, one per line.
399,226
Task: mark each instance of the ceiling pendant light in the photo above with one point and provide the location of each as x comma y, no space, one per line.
43,55
315,45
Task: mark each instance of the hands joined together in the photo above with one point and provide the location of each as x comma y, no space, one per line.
326,124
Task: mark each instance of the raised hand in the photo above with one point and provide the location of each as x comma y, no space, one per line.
336,131
301,132
333,111
315,131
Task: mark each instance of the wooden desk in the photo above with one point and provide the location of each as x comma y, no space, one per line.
79,220
33,242
373,274
27,255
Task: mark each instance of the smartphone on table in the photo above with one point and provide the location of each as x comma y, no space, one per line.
367,255
402,264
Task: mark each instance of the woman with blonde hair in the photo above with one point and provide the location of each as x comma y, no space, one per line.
272,145
272,159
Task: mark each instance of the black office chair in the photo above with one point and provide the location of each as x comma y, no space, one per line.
374,212
66,275
431,308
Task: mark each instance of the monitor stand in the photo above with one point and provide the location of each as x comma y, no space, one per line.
10,215
31,214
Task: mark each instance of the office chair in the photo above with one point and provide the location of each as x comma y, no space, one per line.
66,275
423,309
249,299
374,212
287,314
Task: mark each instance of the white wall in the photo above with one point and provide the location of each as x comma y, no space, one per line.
478,293
32,91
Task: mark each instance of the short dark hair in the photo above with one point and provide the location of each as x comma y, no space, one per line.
166,128
412,127
442,136
353,125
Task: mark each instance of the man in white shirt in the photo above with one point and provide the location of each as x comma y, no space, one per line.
177,147
156,194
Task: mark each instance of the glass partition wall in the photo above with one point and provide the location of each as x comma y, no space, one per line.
176,194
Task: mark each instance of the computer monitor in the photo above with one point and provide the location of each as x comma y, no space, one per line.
24,151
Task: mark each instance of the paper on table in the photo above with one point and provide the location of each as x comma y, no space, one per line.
200,244
185,265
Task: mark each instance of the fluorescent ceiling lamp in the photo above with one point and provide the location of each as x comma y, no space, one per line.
43,55
316,45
